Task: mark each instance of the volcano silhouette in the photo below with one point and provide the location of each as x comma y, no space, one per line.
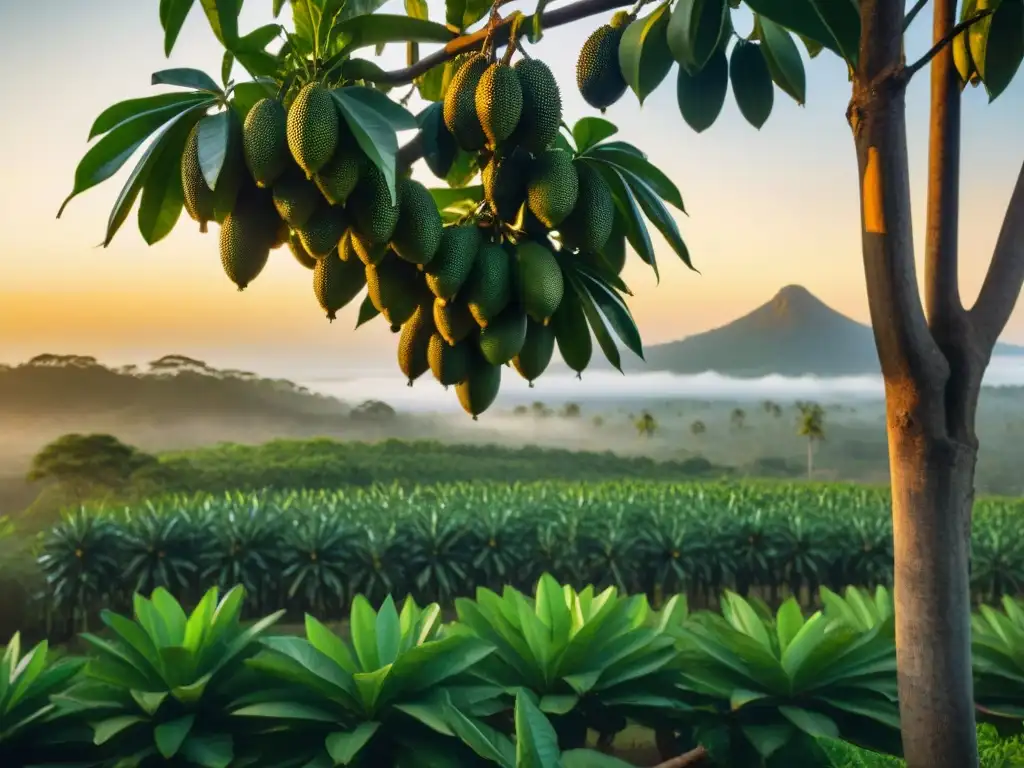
793,334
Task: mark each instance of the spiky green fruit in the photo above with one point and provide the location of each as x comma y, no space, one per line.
418,233
572,333
373,214
281,234
553,187
414,342
503,337
246,236
449,363
488,289
589,225
449,269
504,181
480,389
295,198
367,251
337,282
542,106
339,177
299,251
265,141
540,281
499,102
313,128
460,116
396,289
598,75
198,196
538,349
454,321
322,233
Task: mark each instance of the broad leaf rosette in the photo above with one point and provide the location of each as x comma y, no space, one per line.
998,651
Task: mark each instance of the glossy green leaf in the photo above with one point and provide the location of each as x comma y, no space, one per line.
397,116
162,194
768,739
223,18
417,9
209,750
364,633
636,230
1002,48
345,747
172,18
363,31
439,147
701,96
171,735
783,60
751,83
105,730
226,65
695,31
590,131
800,16
842,20
596,323
373,132
658,215
245,95
278,5
367,311
186,78
389,633
463,14
813,46
811,723
646,171
615,312
536,31
644,55
536,740
113,116
486,741
352,8
214,140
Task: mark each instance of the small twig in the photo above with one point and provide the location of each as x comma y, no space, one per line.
404,101
909,19
910,71
692,757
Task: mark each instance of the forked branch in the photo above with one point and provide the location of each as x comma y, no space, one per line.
947,40
567,14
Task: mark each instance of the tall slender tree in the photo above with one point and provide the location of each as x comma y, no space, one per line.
811,425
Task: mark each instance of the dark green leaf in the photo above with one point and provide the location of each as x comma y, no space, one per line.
417,9
214,138
1004,47
352,8
813,46
305,26
751,83
615,312
186,78
783,60
172,17
209,751
658,214
596,322
278,5
345,745
439,147
842,20
590,131
226,64
636,230
801,17
162,196
373,133
363,31
259,38
397,116
223,18
701,96
140,174
169,736
463,14
622,145
695,31
644,55
124,110
112,151
366,312
599,268
645,170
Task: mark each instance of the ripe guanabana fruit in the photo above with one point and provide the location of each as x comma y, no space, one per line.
197,194
418,232
480,389
322,233
373,214
451,265
246,236
460,116
488,289
414,343
396,289
368,252
553,187
337,282
299,251
449,363
265,141
295,198
499,102
313,128
504,336
598,74
589,225
454,321
537,351
540,281
339,177
504,181
542,106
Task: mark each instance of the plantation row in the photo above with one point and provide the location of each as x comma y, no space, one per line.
516,681
314,550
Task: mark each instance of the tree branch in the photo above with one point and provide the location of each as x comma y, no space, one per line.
912,14
692,757
934,51
1005,276
941,253
567,14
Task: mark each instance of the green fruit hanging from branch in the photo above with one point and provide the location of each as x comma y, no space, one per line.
516,251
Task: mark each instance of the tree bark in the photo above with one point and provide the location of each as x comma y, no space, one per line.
810,458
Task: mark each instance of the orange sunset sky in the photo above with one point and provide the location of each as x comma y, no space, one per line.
766,207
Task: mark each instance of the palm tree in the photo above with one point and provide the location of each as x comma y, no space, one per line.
646,425
737,418
571,410
811,425
698,427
